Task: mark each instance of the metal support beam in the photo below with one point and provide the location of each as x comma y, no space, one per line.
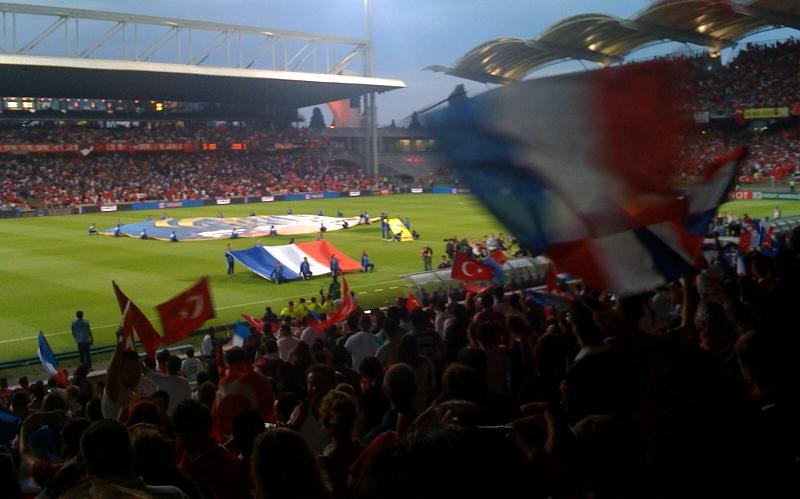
261,50
769,15
152,49
667,33
211,47
102,40
41,36
342,63
312,46
298,54
568,52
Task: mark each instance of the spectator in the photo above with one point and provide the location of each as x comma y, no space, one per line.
284,467
339,415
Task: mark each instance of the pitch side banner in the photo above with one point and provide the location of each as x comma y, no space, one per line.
108,207
49,148
201,228
416,190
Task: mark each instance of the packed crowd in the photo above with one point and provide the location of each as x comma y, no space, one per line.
53,132
57,181
771,154
687,391
761,75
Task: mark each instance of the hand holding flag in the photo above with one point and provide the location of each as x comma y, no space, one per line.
467,269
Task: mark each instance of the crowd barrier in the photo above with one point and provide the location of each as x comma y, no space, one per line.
189,203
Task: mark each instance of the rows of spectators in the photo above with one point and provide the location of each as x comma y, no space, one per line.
58,181
761,75
690,390
54,132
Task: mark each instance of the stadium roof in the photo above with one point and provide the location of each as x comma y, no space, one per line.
37,76
605,39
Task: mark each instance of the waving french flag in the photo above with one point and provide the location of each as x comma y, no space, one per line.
580,167
49,361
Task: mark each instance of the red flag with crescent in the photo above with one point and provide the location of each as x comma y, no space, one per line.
467,269
185,313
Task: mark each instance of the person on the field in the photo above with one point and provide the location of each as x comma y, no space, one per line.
305,269
173,237
427,257
319,213
220,215
252,213
366,265
277,273
385,232
339,213
776,213
407,223
163,216
336,269
290,212
92,229
345,225
118,230
273,231
414,234
229,259
143,234
82,334
335,289
322,227
445,263
234,234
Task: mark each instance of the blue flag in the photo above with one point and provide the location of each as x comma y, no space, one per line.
46,356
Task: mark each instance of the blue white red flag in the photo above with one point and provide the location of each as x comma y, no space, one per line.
580,168
46,356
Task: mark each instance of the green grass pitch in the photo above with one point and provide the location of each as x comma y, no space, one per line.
50,267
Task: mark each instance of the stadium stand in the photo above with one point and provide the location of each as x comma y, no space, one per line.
688,390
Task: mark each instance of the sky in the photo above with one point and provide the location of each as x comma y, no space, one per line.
408,34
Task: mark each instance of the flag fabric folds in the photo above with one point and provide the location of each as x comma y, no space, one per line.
263,260
579,167
412,303
46,356
466,268
256,323
185,313
347,307
134,319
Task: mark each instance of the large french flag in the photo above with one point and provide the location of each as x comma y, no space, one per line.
264,259
580,167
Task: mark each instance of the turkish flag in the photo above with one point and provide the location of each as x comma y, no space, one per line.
256,323
347,308
134,319
467,269
412,303
185,313
498,256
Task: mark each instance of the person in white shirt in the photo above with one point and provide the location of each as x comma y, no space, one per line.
175,385
363,344
309,336
286,342
207,345
191,366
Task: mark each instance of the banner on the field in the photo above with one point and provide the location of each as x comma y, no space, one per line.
108,207
397,227
741,195
223,201
195,229
417,190
777,195
760,113
355,193
263,260
267,199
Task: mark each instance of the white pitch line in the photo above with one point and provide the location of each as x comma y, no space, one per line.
378,290
226,307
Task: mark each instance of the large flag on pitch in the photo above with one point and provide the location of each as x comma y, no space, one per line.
134,319
580,167
186,312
